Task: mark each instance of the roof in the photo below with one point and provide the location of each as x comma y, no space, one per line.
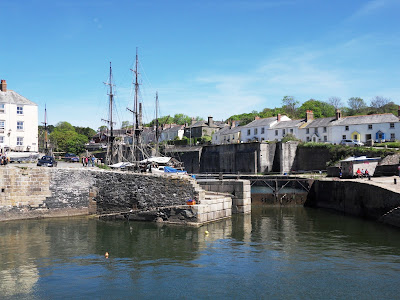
14,98
216,124
352,120
260,122
367,119
288,124
228,130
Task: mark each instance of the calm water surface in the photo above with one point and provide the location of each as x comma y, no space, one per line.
274,253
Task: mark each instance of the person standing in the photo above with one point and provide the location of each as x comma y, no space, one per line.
86,161
83,161
93,159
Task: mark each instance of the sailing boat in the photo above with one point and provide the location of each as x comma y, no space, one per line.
140,158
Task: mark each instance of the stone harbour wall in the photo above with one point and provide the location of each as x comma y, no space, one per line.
357,199
46,192
239,190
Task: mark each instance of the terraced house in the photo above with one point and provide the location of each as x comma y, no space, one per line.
376,127
18,121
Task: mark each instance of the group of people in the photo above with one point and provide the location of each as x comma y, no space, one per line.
88,161
362,173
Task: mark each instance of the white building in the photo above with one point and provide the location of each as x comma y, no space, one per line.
18,121
377,127
258,130
169,134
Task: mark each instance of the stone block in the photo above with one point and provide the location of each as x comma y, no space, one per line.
242,202
243,209
201,218
219,214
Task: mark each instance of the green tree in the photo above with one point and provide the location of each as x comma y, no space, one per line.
321,109
86,131
66,139
357,105
181,119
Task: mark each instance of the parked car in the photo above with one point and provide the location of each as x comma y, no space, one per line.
71,157
47,161
353,143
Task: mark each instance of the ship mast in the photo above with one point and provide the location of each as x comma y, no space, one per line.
110,120
157,132
45,130
137,115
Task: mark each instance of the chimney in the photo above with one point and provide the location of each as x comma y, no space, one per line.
233,124
309,116
210,121
257,118
193,121
339,114
278,117
3,85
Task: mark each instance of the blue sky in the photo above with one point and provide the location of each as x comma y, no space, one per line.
205,58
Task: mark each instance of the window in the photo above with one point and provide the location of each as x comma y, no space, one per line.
343,137
325,138
2,125
346,128
276,132
20,110
307,130
391,125
248,131
291,130
20,141
368,137
1,139
355,137
324,129
283,131
369,126
392,136
308,139
262,130
20,125
315,130
255,130
2,108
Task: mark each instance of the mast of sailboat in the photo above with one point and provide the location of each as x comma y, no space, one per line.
45,130
110,120
157,130
137,111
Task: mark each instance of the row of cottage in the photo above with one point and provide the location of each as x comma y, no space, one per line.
376,127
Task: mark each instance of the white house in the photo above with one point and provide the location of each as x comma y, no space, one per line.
18,121
169,134
258,130
377,127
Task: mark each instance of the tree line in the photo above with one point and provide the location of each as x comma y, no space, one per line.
322,109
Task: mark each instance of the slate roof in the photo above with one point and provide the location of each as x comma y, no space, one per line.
14,98
288,124
352,120
228,130
367,119
217,124
260,122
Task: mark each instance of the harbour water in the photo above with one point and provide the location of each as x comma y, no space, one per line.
274,253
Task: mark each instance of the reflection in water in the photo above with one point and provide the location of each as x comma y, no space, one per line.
275,252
